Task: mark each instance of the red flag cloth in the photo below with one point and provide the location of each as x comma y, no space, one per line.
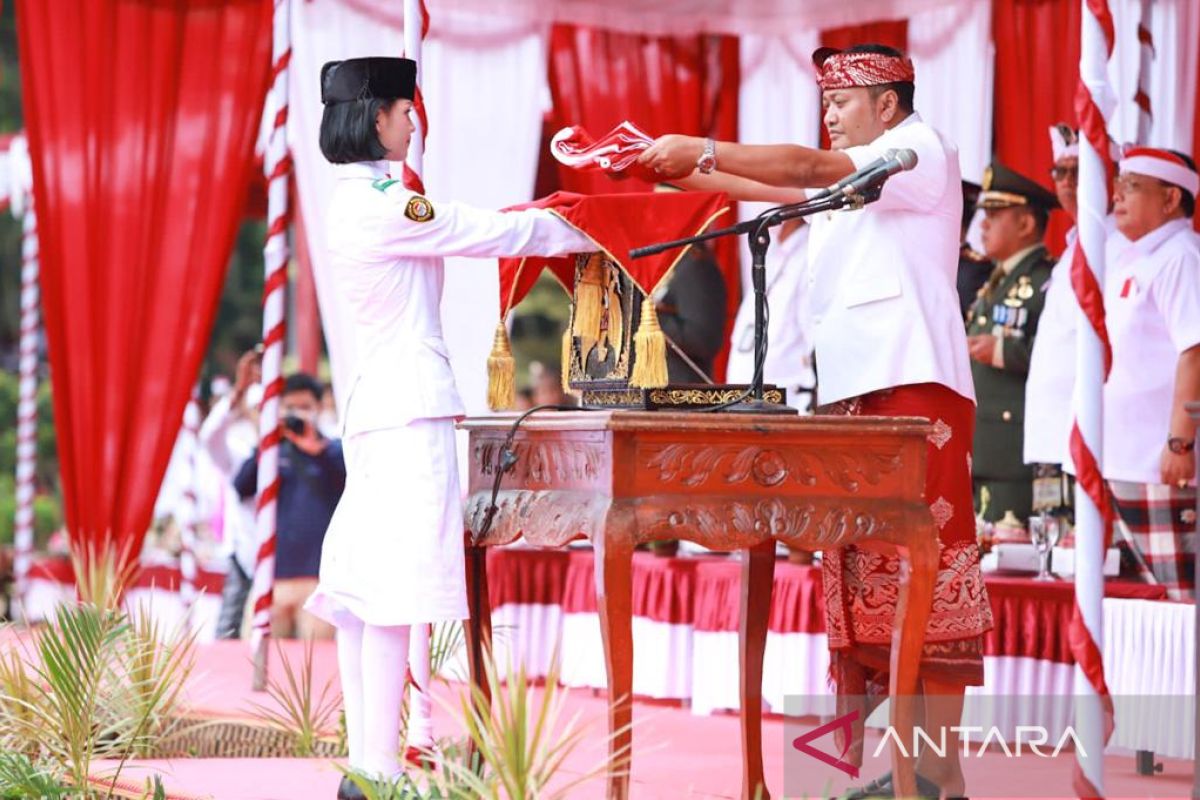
615,154
142,119
617,223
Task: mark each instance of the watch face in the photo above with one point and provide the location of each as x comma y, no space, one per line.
1179,446
706,163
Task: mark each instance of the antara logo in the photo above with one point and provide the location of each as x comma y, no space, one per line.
1029,738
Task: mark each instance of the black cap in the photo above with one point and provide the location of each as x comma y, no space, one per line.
364,78
1005,188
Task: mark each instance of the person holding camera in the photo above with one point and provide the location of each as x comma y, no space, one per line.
312,475
228,436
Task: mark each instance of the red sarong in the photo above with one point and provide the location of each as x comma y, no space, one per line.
862,587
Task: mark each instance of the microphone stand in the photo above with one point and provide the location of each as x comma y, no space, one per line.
758,237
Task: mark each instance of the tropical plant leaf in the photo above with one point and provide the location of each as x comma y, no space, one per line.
522,740
20,778
296,710
102,573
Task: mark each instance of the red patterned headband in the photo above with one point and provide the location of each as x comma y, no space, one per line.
840,70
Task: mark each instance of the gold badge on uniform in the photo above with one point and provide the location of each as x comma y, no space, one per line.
1024,287
418,209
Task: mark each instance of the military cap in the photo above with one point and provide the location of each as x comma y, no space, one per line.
365,78
1006,188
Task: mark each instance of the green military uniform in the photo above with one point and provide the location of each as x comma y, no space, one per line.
1008,306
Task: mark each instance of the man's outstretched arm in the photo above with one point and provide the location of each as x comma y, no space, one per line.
782,165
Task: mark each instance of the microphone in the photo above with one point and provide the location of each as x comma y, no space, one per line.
872,175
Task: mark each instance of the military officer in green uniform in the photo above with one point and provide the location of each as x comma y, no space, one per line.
1001,326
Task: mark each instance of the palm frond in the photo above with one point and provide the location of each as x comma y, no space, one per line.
21,778
522,740
155,664
103,573
297,710
77,651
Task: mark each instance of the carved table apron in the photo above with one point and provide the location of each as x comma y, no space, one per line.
726,481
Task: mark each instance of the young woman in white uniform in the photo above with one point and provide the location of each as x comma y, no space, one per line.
393,555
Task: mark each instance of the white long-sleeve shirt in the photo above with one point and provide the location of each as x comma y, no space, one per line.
386,247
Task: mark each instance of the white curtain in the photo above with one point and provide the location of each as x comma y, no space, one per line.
485,88
778,100
484,84
326,30
1175,28
954,56
688,17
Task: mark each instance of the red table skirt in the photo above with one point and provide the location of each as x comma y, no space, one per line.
1032,617
159,576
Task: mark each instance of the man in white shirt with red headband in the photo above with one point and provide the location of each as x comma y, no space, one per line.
1152,303
889,341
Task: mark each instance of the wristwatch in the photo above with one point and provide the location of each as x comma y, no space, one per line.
1180,446
708,159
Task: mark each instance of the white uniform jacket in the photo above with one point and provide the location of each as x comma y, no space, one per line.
1051,380
386,246
789,328
882,279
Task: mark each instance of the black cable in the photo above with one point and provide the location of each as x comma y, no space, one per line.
506,459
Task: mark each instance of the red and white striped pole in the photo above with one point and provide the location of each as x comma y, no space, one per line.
1094,103
416,27
190,511
277,168
1145,59
26,395
414,35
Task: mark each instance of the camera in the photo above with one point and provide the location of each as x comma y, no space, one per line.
295,424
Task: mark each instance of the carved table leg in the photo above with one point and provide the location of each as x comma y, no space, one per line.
758,575
918,575
614,598
479,624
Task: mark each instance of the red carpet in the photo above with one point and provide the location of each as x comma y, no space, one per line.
677,754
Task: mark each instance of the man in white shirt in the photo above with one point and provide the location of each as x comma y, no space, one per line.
1152,303
1051,381
229,435
889,340
789,329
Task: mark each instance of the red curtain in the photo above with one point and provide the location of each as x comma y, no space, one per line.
1037,71
893,33
142,117
663,85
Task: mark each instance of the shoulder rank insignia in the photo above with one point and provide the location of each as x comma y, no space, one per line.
383,183
418,209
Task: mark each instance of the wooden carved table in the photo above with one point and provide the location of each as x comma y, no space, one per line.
726,481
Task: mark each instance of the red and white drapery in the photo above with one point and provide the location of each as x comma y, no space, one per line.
139,186
686,613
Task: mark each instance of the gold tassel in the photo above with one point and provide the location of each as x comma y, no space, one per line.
650,353
565,363
501,371
589,300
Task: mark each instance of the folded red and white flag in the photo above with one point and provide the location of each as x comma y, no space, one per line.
615,154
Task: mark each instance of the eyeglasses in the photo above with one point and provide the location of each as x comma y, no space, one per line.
1062,173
